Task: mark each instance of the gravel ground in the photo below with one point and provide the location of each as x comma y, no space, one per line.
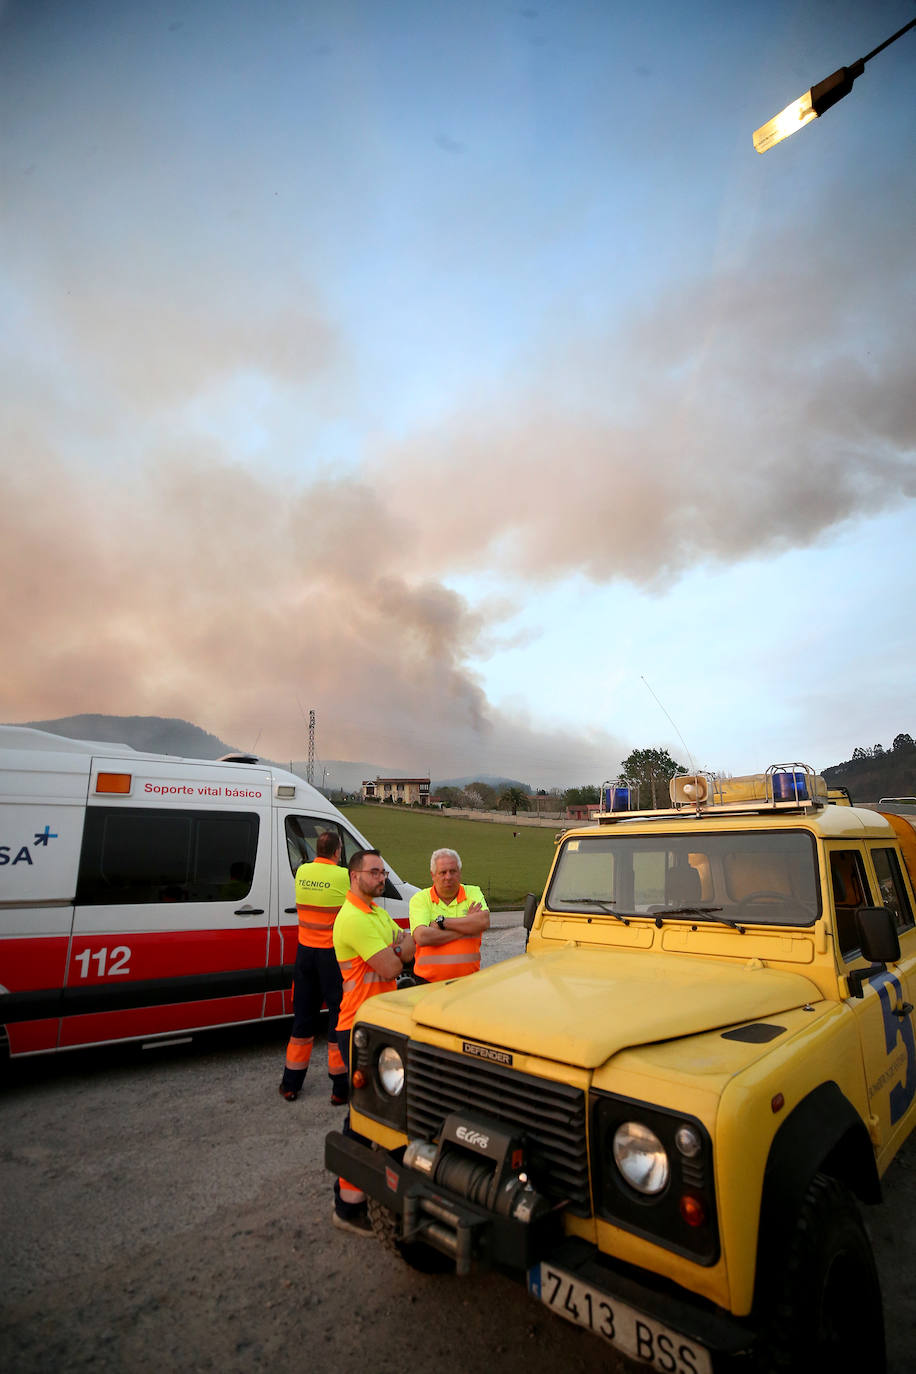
167,1209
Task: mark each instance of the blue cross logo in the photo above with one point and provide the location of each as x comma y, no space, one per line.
43,836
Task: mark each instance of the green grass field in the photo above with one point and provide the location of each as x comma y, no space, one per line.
505,868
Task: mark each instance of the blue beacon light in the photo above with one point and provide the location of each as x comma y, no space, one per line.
790,787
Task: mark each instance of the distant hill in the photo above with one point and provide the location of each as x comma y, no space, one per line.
152,734
181,739
869,775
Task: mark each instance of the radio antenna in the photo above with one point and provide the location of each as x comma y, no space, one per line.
673,726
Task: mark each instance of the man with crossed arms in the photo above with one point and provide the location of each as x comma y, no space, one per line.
447,920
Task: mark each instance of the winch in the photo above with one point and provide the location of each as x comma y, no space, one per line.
480,1161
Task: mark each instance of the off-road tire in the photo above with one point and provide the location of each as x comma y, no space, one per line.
824,1312
423,1258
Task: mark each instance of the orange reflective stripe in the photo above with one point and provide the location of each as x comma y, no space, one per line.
299,1052
359,994
349,976
316,925
359,990
336,1065
453,960
350,1194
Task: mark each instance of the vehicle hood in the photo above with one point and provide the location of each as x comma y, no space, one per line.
583,1006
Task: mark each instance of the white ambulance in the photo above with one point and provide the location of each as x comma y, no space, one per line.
143,897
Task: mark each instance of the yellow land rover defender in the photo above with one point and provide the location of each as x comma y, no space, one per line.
664,1114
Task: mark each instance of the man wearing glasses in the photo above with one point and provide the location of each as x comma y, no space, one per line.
371,950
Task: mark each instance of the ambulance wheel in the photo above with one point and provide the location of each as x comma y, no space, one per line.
423,1258
825,1312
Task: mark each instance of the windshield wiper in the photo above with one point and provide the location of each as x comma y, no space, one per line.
704,911
604,906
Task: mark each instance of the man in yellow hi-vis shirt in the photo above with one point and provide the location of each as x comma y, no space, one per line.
447,921
372,951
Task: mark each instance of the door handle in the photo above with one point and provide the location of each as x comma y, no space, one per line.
290,910
250,911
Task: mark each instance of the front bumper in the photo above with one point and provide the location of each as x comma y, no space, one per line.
435,1217
472,1235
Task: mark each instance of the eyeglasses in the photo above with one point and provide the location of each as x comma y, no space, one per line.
377,872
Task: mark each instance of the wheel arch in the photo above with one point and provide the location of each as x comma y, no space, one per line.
823,1134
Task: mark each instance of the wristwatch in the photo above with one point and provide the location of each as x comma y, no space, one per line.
397,950
440,922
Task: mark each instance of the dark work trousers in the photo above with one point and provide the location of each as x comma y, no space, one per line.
347,1209
316,982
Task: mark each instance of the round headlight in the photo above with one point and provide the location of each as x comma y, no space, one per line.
640,1156
391,1071
360,1037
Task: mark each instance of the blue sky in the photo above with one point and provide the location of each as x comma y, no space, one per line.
459,371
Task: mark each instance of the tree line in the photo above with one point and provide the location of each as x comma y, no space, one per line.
902,743
650,770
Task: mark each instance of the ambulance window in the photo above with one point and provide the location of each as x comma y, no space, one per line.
890,882
166,856
302,835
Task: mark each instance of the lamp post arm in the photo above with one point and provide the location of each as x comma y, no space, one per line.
887,42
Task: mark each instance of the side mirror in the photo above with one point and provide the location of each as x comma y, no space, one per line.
531,910
880,942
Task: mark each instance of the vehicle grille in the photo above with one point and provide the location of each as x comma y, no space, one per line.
550,1115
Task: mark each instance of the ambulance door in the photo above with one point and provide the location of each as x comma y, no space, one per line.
42,802
170,925
396,897
296,839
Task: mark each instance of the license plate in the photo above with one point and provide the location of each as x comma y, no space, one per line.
639,1336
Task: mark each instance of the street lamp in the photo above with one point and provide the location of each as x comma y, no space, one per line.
818,99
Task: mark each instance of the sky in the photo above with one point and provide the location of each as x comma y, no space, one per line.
459,371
